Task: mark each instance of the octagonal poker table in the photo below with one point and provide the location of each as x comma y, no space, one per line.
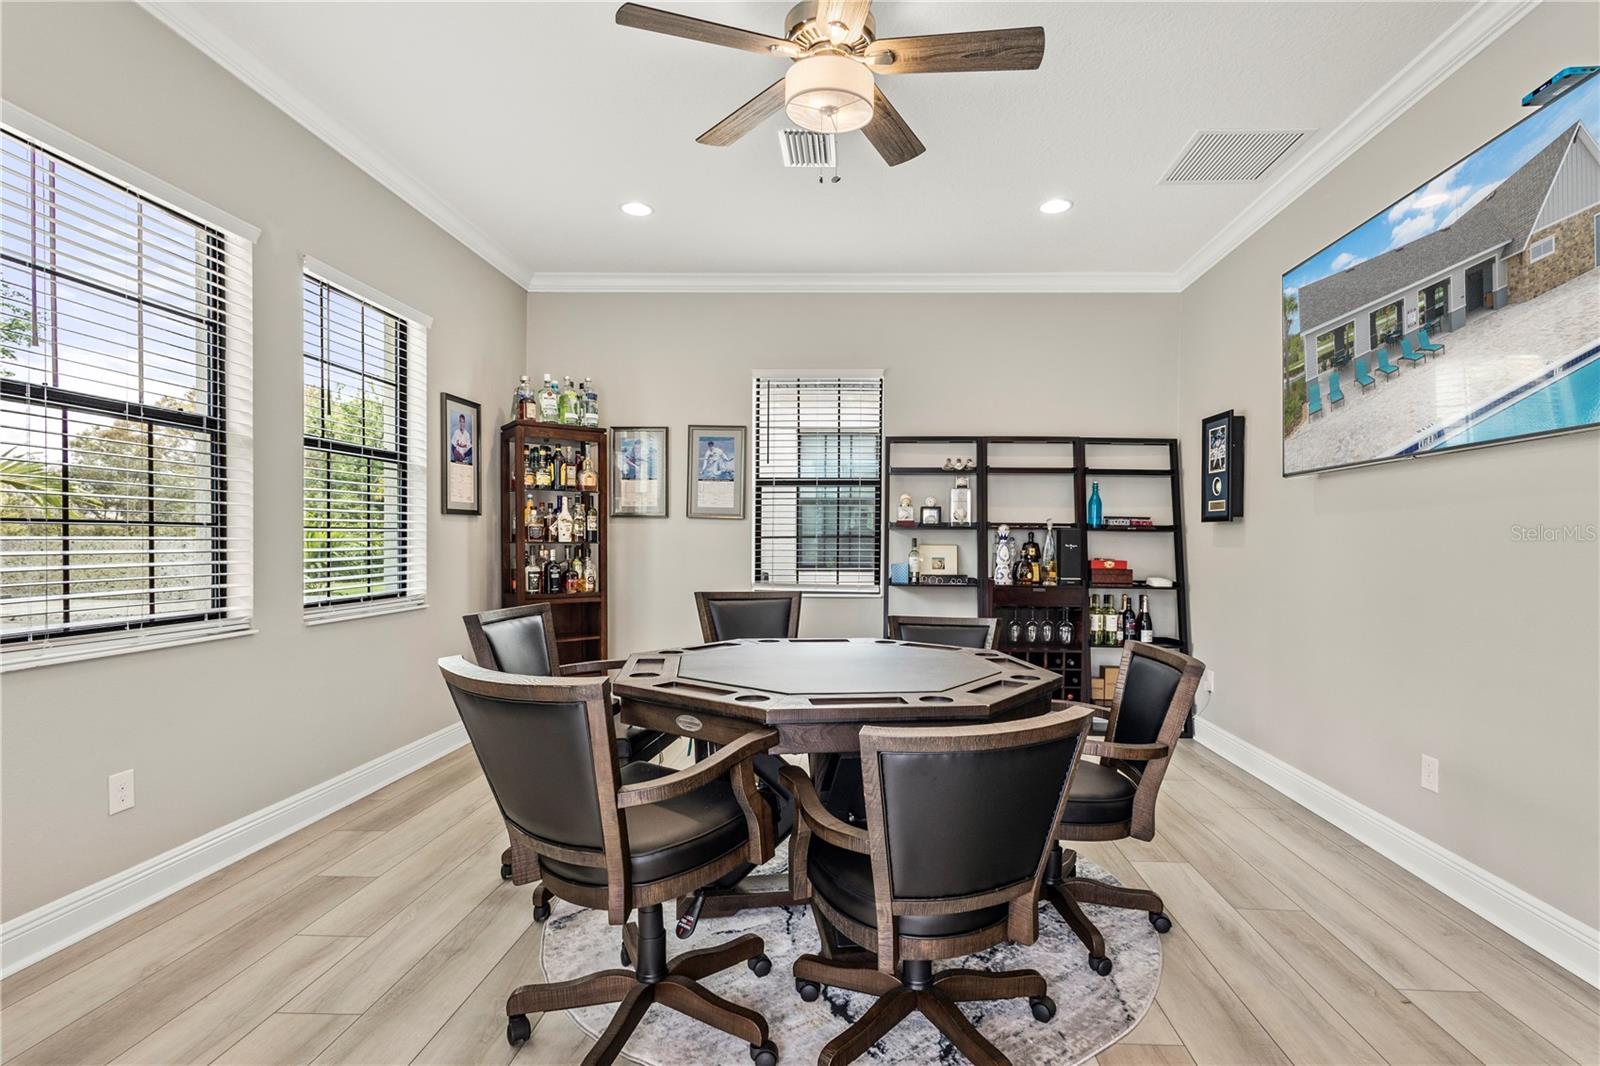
818,692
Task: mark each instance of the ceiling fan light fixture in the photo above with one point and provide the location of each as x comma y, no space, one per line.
828,93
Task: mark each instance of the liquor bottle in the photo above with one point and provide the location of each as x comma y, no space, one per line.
591,523
571,577
590,406
914,562
1031,571
534,578
578,519
1130,620
1096,622
519,400
1032,630
567,405
549,401
591,575
563,523
530,460
1096,518
535,524
1051,577
569,468
588,476
1146,627
554,577
542,476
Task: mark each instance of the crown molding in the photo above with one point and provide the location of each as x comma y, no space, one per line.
1450,51
180,18
854,283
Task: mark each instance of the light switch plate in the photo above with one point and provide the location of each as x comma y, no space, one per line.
1430,773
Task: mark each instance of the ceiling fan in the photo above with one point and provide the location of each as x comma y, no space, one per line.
836,51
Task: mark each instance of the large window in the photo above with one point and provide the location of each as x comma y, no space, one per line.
125,418
1333,347
818,443
365,493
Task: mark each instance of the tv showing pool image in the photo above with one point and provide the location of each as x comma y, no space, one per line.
1465,313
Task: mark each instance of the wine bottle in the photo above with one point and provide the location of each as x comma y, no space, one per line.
1147,628
1096,518
1130,620
1097,623
914,562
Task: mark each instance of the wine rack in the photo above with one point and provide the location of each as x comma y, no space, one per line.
579,616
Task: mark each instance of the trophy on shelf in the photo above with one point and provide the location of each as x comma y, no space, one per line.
903,515
1004,556
961,503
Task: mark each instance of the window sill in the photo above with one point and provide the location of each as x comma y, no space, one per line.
327,616
30,659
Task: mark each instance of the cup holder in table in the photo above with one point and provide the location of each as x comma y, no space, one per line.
1024,677
643,673
751,697
770,640
934,699
886,642
673,651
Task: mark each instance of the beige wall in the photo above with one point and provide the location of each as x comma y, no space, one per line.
972,364
216,731
1360,619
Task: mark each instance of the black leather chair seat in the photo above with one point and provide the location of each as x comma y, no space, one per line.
844,879
666,839
1099,796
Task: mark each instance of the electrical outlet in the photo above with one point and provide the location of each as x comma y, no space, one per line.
1430,773
120,787
1209,681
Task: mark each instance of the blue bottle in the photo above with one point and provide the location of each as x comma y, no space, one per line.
1095,519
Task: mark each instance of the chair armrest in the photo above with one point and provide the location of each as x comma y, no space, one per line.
596,666
1134,752
720,764
821,821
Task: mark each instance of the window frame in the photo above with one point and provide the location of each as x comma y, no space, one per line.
1534,255
223,252
872,483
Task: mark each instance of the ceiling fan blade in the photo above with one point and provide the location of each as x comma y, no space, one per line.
889,133
657,21
850,15
755,111
1018,49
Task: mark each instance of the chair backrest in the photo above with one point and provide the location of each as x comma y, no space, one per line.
966,811
1155,690
514,640
545,747
954,632
741,615
1361,366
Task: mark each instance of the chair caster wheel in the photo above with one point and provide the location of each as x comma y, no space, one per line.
1100,964
1162,923
764,1054
760,965
626,961
541,911
518,1030
1044,1008
809,990
505,871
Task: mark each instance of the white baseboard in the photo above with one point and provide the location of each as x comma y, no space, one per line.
45,930
1553,933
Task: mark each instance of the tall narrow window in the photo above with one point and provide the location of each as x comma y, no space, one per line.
818,443
365,495
124,416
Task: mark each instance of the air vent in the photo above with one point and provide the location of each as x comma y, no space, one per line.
803,148
1215,156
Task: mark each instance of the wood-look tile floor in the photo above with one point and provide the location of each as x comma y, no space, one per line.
383,934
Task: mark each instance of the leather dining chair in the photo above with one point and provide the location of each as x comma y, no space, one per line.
959,823
1115,797
618,839
522,640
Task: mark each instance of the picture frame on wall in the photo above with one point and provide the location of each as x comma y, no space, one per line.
461,468
717,469
1222,482
639,465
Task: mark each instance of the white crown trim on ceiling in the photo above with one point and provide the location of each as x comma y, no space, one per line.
1474,31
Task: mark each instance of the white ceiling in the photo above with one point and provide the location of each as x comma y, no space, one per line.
521,127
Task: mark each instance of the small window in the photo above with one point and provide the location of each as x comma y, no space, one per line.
818,502
365,489
1333,347
1539,249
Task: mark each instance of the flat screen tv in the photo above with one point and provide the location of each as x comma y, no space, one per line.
1465,313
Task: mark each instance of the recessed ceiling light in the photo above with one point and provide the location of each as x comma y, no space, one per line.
637,208
1055,207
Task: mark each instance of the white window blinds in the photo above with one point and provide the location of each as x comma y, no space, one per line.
365,494
818,508
125,406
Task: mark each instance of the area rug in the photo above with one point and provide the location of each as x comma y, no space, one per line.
1093,1011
